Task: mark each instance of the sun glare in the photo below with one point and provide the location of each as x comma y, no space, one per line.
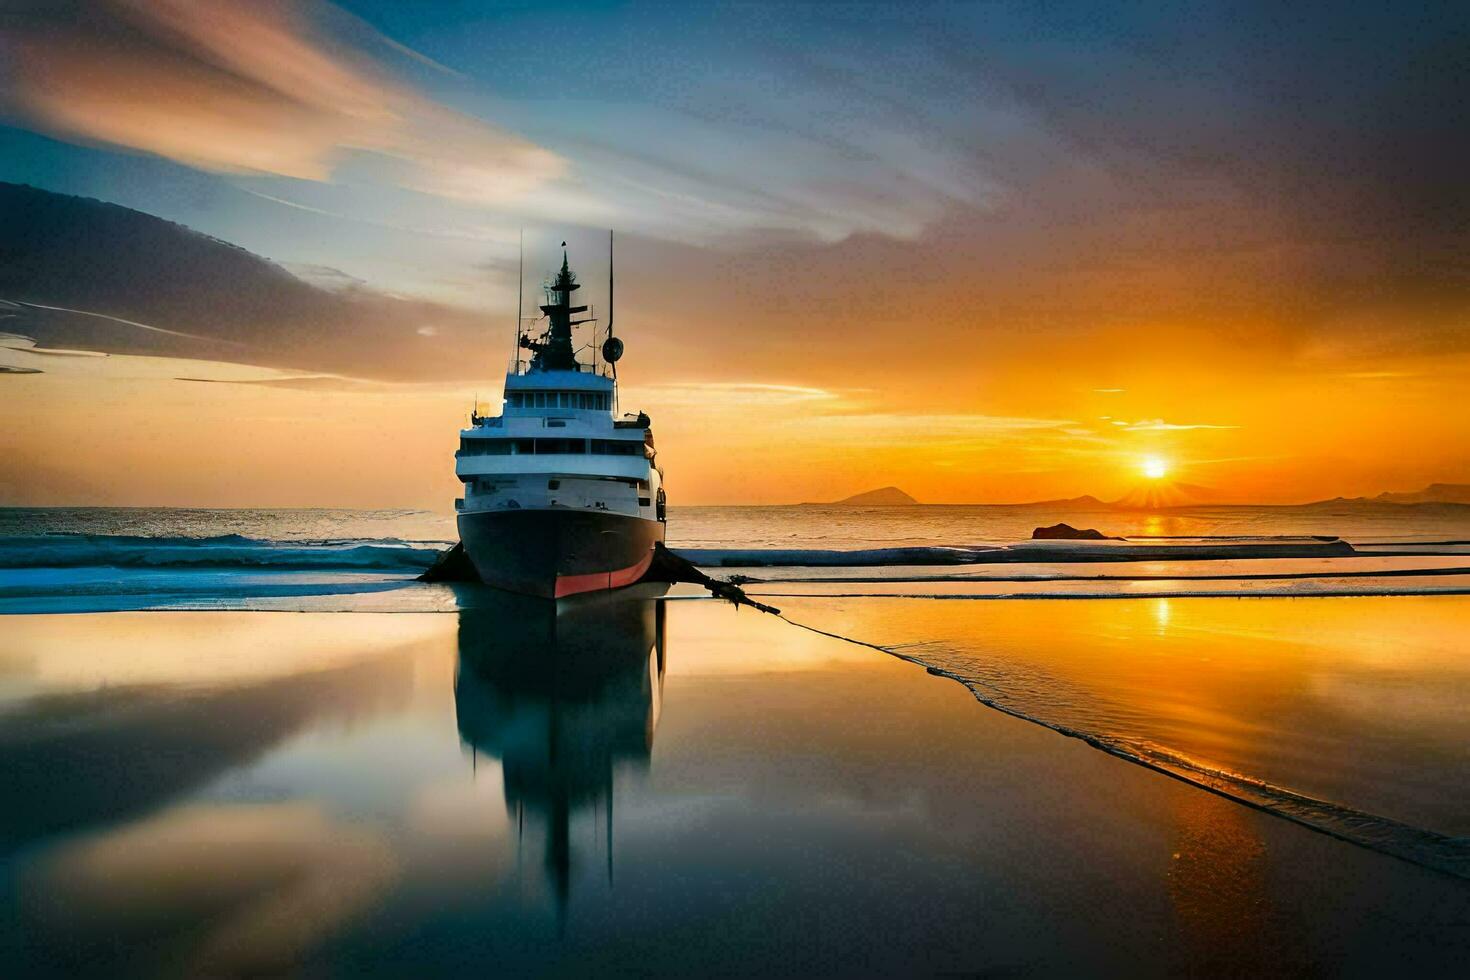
1154,467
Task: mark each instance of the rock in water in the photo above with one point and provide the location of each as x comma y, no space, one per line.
1066,532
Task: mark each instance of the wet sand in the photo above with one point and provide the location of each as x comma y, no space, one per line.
366,794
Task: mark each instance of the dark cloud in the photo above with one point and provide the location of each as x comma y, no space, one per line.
82,273
1342,131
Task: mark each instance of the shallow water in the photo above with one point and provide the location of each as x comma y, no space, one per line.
1356,703
650,787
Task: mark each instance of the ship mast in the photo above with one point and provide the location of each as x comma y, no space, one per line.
554,352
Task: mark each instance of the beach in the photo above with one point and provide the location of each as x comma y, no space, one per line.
702,790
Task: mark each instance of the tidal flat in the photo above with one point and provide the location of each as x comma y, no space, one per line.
675,786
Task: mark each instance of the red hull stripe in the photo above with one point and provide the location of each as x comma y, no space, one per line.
572,584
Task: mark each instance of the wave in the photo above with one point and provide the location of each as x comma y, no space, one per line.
76,550
1417,845
222,551
1299,591
1197,549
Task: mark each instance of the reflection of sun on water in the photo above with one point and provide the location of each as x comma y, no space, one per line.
1161,614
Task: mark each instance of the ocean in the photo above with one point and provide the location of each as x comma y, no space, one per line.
776,527
109,559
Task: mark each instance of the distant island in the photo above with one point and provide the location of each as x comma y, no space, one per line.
882,497
1435,493
1175,496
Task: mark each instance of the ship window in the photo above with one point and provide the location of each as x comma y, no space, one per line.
644,501
561,446
494,447
616,447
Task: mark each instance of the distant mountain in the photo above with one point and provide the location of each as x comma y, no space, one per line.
1085,502
81,273
1435,493
882,497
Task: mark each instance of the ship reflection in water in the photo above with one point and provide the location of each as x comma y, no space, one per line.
563,695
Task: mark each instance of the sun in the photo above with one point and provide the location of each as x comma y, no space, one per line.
1155,467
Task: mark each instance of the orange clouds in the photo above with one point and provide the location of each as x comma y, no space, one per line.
246,88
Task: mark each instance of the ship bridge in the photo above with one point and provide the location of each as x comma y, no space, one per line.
560,390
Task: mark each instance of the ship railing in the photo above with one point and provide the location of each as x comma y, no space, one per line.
520,365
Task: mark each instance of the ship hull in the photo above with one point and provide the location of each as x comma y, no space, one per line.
556,553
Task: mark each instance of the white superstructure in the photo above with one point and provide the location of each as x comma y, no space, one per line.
556,444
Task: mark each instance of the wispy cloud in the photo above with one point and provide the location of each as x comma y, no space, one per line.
278,90
728,395
249,88
951,432
1159,425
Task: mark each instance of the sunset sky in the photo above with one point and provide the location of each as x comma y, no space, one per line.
985,253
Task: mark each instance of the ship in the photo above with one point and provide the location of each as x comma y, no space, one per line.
562,495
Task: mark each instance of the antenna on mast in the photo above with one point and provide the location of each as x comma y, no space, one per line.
520,294
612,347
